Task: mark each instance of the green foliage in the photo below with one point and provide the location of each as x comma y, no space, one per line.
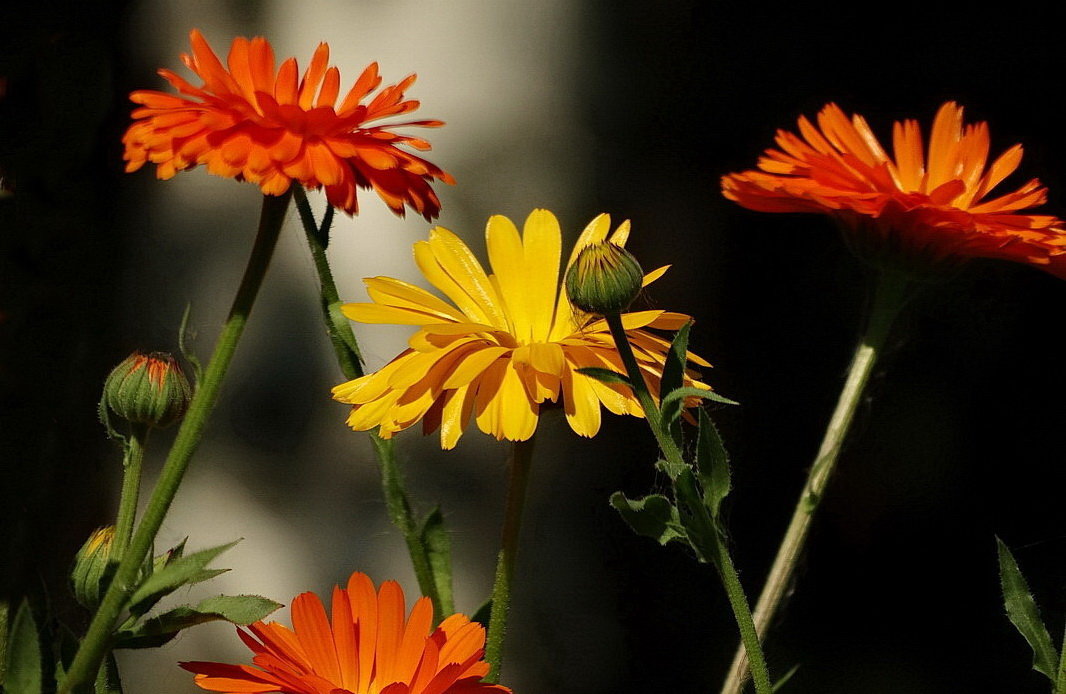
434,538
674,378
712,464
186,352
654,516
177,571
23,672
605,375
481,614
158,630
783,680
1023,613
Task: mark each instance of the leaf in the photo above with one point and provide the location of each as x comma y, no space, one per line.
674,401
481,615
438,548
605,375
1023,613
236,609
783,680
654,516
175,573
23,671
712,464
674,368
183,347
107,677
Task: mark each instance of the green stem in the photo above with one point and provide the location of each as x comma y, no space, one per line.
131,489
888,299
686,494
521,459
402,517
640,389
1060,680
97,639
346,349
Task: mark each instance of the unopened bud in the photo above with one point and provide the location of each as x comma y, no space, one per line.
148,389
90,575
604,279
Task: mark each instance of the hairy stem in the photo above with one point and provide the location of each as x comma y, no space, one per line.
96,644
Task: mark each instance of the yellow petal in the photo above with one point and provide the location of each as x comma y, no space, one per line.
509,271
394,292
654,275
376,313
455,415
451,267
580,403
472,364
542,239
547,357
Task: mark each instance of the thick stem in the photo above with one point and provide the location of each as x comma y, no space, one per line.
131,489
521,458
888,299
346,349
97,639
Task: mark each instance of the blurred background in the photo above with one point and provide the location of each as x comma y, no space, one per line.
632,108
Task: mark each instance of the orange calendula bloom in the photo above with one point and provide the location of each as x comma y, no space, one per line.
251,122
367,647
509,343
931,207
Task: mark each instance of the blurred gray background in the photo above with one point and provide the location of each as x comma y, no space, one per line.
629,108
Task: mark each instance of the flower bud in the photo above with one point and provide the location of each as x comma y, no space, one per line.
604,279
90,567
148,389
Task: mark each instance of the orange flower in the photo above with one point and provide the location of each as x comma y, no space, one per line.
932,209
271,128
366,648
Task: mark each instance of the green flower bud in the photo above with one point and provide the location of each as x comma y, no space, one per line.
604,279
148,389
90,567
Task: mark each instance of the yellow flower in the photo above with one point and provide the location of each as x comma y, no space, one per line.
509,344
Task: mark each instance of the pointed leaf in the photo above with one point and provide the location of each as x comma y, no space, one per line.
674,368
438,546
712,464
236,609
783,680
174,574
107,678
605,375
23,671
1023,613
674,402
481,615
653,516
183,347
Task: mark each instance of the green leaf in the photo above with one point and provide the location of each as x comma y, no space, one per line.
438,547
712,464
785,678
236,609
481,615
1023,613
605,375
183,347
673,402
175,573
107,677
654,516
674,368
23,672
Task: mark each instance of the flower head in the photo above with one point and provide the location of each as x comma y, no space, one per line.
148,389
367,647
510,343
924,208
604,279
271,127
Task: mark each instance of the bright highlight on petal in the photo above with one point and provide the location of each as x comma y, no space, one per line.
924,209
511,344
270,127
366,646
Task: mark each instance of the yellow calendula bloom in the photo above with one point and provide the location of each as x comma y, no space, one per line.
508,344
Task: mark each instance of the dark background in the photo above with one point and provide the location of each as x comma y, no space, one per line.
959,439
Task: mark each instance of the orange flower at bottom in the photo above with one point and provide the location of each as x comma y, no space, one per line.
366,648
918,208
